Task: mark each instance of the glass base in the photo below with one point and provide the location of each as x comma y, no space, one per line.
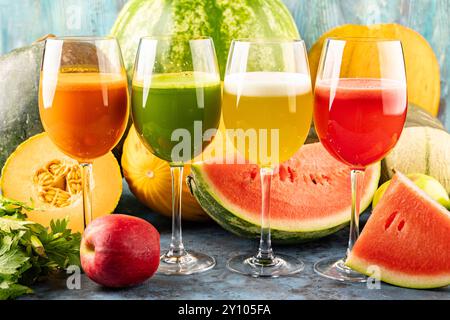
185,264
334,268
281,265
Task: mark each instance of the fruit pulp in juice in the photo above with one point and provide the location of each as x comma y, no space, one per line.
359,120
273,110
85,114
175,101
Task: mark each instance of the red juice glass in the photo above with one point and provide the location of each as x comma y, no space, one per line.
360,104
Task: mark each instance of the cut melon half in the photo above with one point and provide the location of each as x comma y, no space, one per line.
40,175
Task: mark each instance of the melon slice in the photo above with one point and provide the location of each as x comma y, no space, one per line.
310,195
40,175
407,237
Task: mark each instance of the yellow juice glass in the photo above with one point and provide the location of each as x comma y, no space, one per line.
277,106
267,111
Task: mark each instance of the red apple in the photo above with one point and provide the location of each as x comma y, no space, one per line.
119,250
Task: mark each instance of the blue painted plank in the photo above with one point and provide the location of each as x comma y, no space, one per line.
23,21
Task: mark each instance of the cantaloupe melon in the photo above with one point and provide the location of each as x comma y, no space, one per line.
40,175
149,180
420,150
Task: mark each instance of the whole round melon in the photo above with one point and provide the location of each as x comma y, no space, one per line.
150,181
430,185
420,150
43,177
310,195
19,84
223,20
419,117
422,66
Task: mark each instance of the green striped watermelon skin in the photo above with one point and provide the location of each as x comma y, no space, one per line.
223,20
310,200
230,222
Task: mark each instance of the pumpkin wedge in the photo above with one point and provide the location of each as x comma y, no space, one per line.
422,67
149,180
40,175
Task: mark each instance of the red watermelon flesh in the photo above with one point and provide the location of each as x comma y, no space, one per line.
310,195
407,237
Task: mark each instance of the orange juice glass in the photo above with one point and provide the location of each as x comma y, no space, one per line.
83,100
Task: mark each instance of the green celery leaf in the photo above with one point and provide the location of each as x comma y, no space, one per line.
11,290
8,224
29,250
13,208
12,258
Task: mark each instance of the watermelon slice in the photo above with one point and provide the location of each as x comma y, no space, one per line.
310,195
407,237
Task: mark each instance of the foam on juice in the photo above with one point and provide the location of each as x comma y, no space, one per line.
267,84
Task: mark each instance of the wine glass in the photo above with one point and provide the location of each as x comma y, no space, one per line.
176,99
83,101
267,111
360,109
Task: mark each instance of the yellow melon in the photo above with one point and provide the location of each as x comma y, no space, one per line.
43,177
149,180
422,67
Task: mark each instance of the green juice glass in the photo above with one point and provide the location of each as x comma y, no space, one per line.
172,103
176,105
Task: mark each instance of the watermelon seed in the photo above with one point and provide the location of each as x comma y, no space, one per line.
390,220
282,172
305,179
292,174
313,179
326,178
253,173
401,225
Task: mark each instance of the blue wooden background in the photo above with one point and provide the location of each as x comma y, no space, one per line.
23,21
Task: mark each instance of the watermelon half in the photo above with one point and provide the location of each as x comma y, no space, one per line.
310,195
223,20
406,239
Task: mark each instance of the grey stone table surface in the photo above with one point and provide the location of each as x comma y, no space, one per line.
219,283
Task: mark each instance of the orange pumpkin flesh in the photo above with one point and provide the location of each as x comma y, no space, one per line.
40,175
149,180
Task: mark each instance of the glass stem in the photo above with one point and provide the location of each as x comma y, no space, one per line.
356,179
265,254
176,245
86,172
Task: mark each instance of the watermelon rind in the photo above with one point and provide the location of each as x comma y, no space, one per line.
223,20
398,278
394,277
235,221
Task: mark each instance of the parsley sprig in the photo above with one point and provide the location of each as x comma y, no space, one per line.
29,251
